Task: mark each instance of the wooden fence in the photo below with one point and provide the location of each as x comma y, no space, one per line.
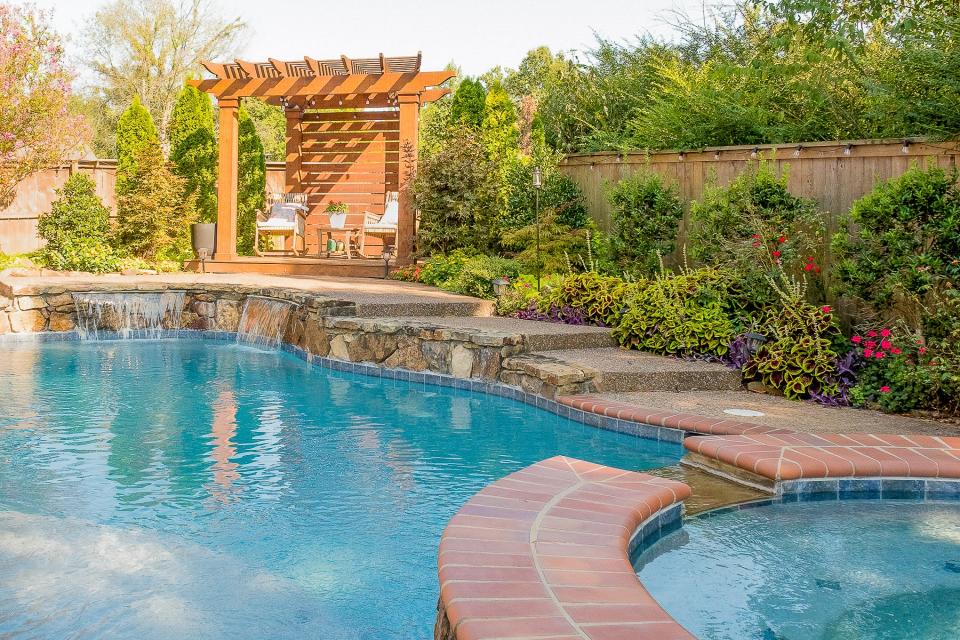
18,221
835,174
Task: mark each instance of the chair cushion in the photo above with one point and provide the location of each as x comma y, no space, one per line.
273,223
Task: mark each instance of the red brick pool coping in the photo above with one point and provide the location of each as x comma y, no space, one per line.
671,420
544,553
795,456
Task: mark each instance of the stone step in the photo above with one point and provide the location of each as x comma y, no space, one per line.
538,336
423,308
619,370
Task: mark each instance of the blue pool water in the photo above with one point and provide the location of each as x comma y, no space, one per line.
849,570
196,489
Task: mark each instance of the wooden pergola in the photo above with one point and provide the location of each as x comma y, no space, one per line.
351,133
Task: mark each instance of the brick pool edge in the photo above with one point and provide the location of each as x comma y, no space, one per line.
544,552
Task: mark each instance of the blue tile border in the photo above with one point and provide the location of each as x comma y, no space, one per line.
920,489
658,525
636,429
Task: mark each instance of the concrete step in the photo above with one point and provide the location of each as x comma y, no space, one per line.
619,370
539,336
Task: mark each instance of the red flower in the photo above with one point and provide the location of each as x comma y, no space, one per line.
880,355
755,236
826,308
782,239
868,353
809,258
856,339
884,389
871,344
896,351
776,254
922,350
808,267
885,333
885,344
756,243
817,269
872,334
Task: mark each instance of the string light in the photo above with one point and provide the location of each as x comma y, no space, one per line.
906,146
755,152
796,152
848,149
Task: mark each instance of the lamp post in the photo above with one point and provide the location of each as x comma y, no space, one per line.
387,255
537,185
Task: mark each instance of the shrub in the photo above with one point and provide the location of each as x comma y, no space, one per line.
468,103
523,293
756,227
560,194
153,215
902,257
77,229
193,149
901,372
646,218
456,191
682,314
462,273
562,248
601,299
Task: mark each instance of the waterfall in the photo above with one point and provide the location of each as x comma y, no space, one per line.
263,320
131,314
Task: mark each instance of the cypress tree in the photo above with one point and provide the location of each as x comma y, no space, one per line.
252,182
467,106
154,213
193,149
501,131
135,130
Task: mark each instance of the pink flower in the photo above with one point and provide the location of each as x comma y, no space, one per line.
885,333
871,344
885,344
896,351
826,308
872,334
856,339
880,355
868,353
922,350
884,389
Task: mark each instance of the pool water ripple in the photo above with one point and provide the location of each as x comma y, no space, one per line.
261,497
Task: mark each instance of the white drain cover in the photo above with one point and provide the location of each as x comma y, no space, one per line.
745,413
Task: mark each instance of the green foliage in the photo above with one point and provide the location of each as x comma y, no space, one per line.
500,131
470,275
601,299
77,229
154,213
193,149
912,374
251,182
562,247
646,218
135,132
468,104
756,227
901,259
456,191
559,195
683,314
523,292
271,126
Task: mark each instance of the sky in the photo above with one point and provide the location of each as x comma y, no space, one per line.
476,34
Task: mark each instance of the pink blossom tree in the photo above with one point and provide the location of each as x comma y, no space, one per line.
37,128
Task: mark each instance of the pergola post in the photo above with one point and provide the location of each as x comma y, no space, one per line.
227,180
409,127
294,140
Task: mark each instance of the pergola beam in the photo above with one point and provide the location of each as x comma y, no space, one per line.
342,85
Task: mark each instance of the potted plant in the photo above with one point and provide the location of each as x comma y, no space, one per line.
338,214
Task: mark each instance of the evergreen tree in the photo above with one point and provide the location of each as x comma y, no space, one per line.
252,182
501,131
77,228
193,149
154,213
135,131
468,103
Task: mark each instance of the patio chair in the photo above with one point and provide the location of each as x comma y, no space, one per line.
286,215
385,226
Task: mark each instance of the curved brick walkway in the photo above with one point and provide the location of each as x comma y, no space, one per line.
544,553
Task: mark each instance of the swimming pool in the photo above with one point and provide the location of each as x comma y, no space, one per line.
842,570
188,488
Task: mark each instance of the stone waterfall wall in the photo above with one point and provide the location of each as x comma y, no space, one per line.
327,328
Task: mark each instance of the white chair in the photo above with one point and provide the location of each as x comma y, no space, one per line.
385,226
286,216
